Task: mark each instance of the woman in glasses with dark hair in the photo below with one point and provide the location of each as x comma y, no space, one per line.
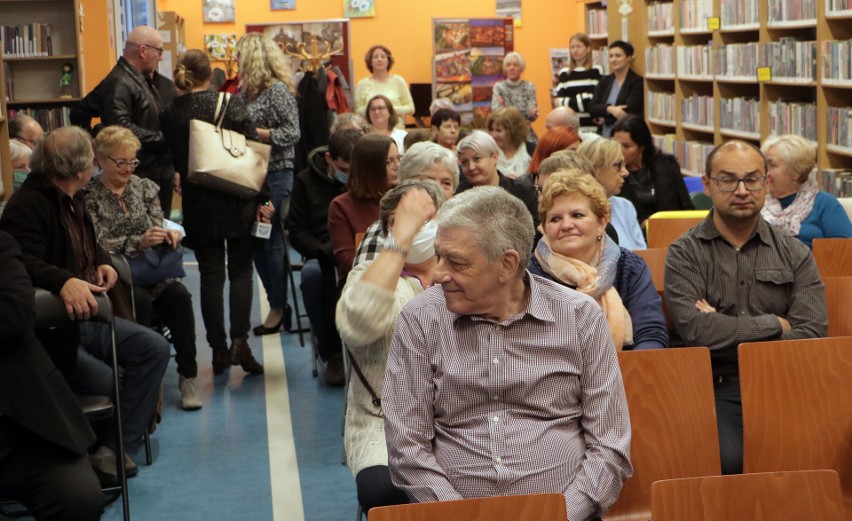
655,183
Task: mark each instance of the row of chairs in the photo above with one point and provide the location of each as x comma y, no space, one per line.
797,412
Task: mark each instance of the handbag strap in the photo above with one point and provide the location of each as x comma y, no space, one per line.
376,400
221,103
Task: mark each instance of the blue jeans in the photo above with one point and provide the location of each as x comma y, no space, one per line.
269,260
144,355
313,290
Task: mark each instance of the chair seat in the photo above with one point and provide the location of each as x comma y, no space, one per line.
95,407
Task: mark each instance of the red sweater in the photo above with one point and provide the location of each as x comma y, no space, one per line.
348,215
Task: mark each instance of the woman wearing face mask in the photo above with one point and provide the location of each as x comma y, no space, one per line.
620,93
20,154
577,82
372,299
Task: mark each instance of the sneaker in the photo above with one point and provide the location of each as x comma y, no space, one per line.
333,374
189,399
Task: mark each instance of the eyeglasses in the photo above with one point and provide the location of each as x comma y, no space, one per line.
159,50
752,183
124,164
393,161
378,109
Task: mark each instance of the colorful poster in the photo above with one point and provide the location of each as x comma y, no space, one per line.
559,59
218,45
359,8
510,9
282,5
453,66
450,36
218,11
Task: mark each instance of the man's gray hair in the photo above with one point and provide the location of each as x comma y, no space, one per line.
425,156
500,220
393,196
480,142
62,153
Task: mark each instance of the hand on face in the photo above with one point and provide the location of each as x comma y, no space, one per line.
414,209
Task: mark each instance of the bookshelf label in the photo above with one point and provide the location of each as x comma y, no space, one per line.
764,74
713,23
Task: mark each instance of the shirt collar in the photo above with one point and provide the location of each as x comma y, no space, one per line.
536,306
707,230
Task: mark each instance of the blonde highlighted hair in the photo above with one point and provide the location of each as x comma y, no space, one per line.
261,64
588,63
573,182
600,152
113,137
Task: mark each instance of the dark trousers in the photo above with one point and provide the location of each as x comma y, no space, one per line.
174,309
211,267
375,489
53,483
315,286
729,420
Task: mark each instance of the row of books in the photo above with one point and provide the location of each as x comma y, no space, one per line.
660,16
793,117
740,114
600,57
694,14
838,5
694,60
596,21
738,60
661,106
691,155
740,12
25,41
660,59
48,118
790,59
839,126
792,10
836,181
837,60
697,110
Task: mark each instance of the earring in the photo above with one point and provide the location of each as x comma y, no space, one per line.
600,237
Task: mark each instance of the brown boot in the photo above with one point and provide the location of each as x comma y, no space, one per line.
241,355
221,360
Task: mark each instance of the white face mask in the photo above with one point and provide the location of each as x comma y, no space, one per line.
423,244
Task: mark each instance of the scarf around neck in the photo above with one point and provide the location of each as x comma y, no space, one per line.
790,219
595,282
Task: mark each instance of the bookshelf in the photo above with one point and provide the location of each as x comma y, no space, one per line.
41,36
700,60
5,157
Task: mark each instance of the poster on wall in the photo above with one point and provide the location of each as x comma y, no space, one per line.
359,8
218,11
282,5
219,44
510,9
468,61
300,37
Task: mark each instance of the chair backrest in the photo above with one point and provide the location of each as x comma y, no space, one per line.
655,258
663,228
833,257
812,494
538,507
122,267
797,407
673,421
837,293
358,238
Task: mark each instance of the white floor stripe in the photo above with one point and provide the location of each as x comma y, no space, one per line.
283,467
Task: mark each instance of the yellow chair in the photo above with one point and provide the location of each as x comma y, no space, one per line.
663,228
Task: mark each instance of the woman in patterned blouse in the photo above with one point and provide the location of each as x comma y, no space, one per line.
267,87
515,92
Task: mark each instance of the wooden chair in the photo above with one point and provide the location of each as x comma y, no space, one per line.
663,228
833,257
797,407
655,258
673,420
529,507
779,496
837,295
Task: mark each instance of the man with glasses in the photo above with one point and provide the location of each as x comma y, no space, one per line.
25,130
734,278
132,95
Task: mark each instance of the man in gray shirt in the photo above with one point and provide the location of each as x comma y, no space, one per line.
734,278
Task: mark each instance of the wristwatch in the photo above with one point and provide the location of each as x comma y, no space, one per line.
390,244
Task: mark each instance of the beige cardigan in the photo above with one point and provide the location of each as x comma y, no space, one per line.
366,316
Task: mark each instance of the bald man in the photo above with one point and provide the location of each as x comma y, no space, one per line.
25,130
132,95
565,117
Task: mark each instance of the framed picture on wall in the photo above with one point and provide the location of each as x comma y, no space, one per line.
282,5
215,11
359,8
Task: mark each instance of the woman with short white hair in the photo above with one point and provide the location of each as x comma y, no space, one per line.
515,92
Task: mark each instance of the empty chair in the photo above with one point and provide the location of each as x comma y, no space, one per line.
538,507
837,293
673,420
833,257
797,407
663,228
778,496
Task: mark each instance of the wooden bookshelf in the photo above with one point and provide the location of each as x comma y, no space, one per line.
35,78
779,102
5,157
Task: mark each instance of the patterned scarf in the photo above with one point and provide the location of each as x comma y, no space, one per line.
594,282
790,219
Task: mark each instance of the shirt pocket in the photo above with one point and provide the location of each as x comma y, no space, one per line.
772,290
775,276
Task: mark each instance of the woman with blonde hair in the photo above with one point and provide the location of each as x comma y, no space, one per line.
509,129
610,171
575,251
267,88
577,82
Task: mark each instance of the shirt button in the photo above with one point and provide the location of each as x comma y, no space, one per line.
496,398
496,361
742,312
497,459
496,419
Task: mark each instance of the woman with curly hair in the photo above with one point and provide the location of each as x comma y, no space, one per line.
379,60
266,86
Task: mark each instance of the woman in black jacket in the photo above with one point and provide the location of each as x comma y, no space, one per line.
655,182
620,93
215,222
